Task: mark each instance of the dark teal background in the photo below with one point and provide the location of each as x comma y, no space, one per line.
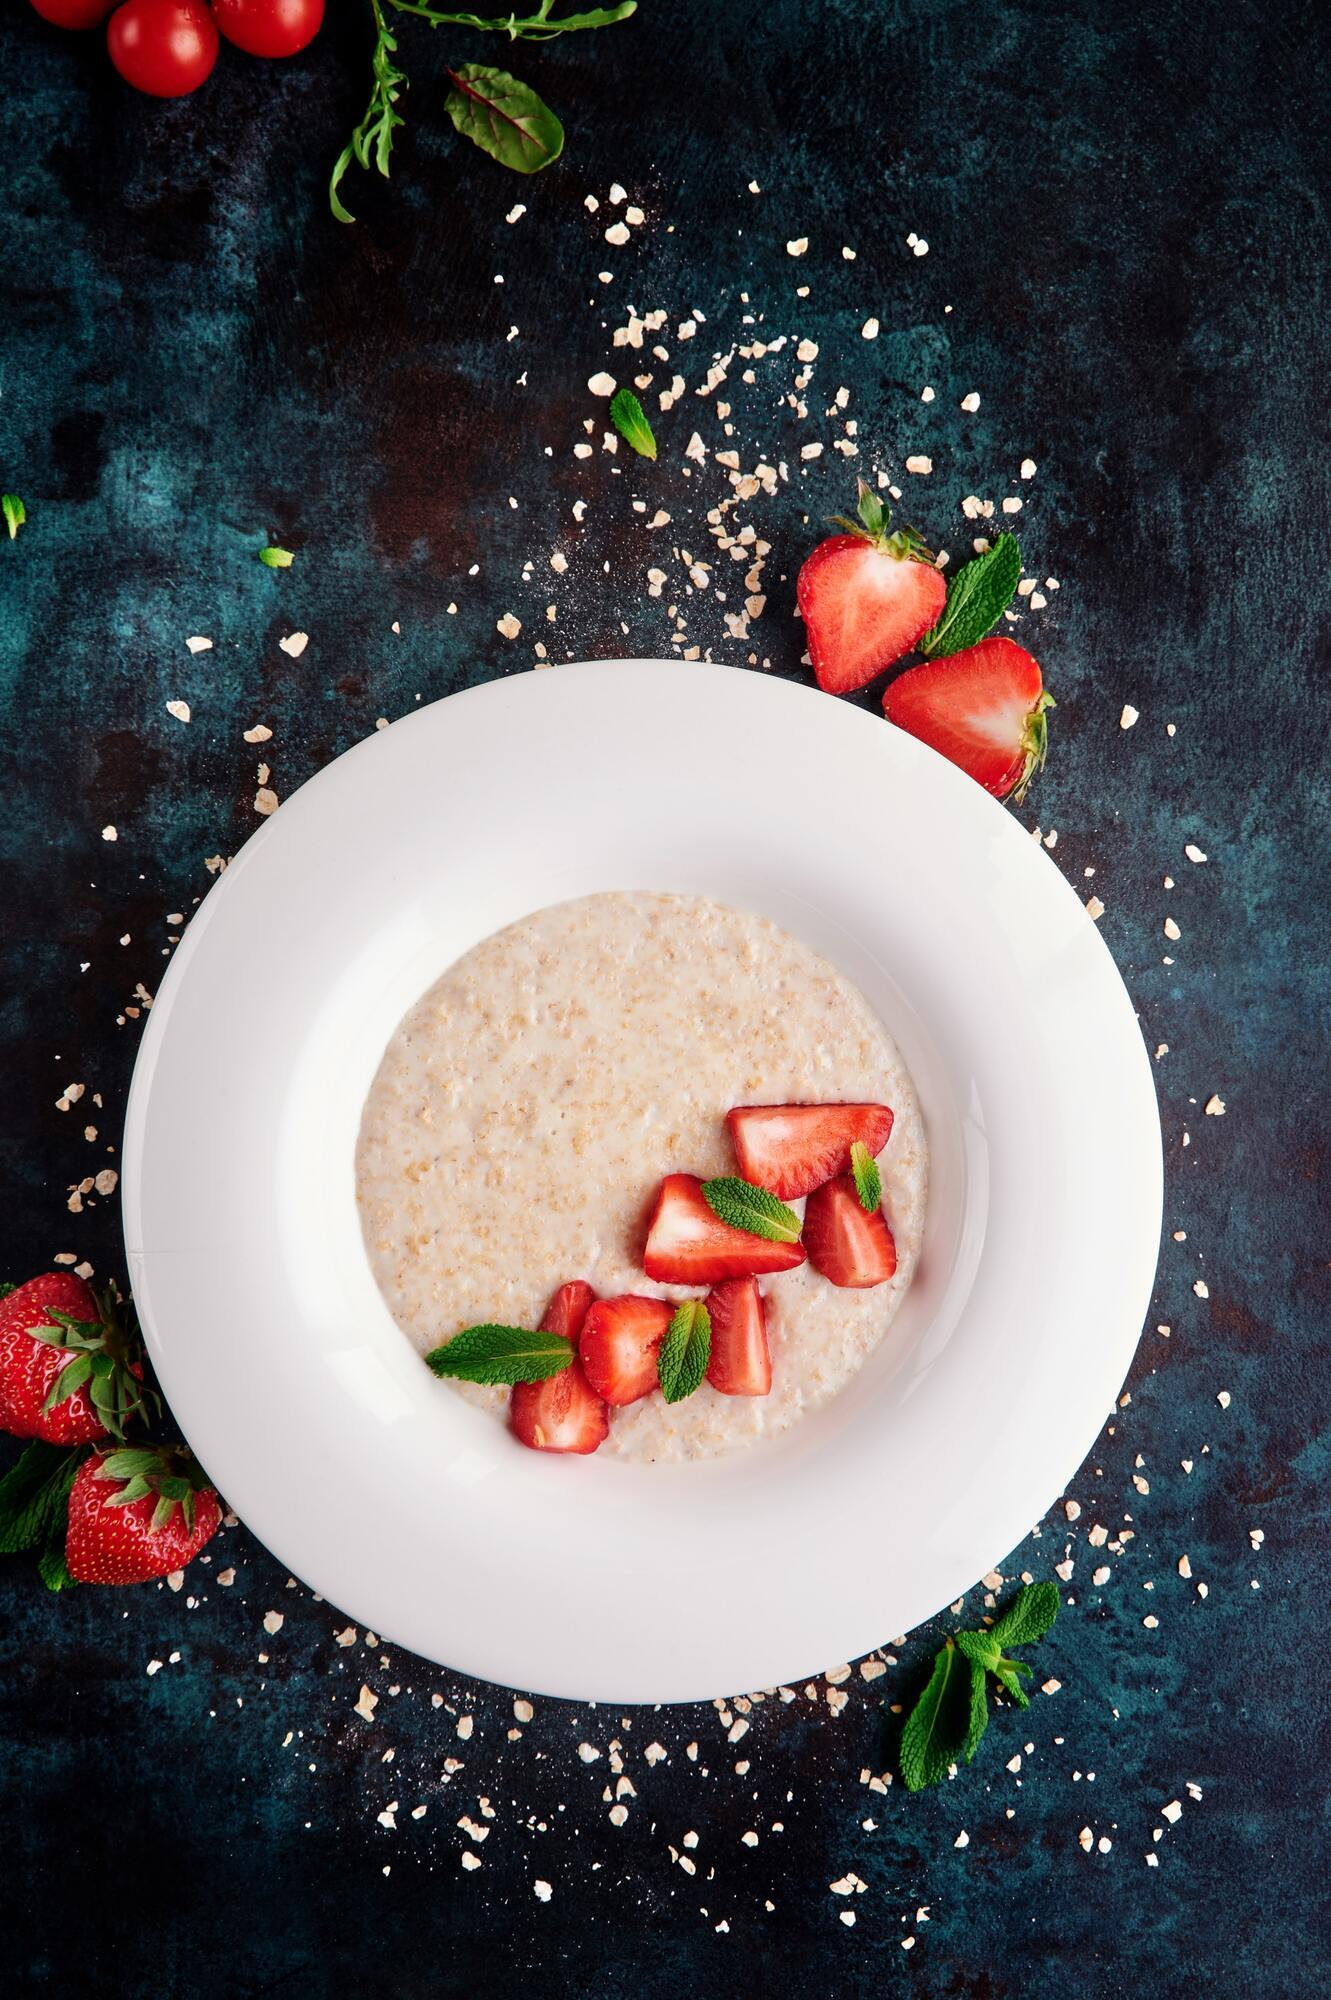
1125,209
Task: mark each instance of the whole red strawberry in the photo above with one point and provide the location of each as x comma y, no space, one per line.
138,1513
71,1368
866,597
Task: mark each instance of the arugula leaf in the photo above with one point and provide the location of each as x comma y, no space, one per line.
14,511
276,558
626,414
868,1180
490,1353
1029,1616
504,117
744,1206
938,1728
681,1360
373,137
34,1493
977,597
537,27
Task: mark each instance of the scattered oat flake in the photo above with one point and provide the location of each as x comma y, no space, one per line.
971,402
508,625
109,833
1224,1399
260,733
917,462
797,246
1095,909
273,1621
198,644
266,800
180,710
601,384
1201,1288
869,330
1128,716
1193,852
617,233
294,644
1215,1107
1173,1812
963,1839
367,1704
470,1860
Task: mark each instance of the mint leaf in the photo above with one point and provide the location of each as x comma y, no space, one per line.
982,1647
490,1353
744,1206
977,597
505,118
1029,1616
868,1180
1005,1673
939,1726
34,1493
14,511
276,558
626,414
979,1709
682,1357
7,1287
52,1567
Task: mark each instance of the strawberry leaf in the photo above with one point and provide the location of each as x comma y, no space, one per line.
744,1206
69,1381
34,1493
868,1180
682,1358
505,118
628,418
977,597
490,1353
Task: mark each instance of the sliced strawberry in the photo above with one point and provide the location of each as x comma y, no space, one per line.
846,1245
688,1245
740,1363
561,1414
866,597
619,1342
568,1309
790,1149
983,709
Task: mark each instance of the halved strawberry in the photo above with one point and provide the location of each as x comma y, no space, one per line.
740,1363
983,709
866,597
790,1149
568,1309
688,1245
849,1247
563,1413
619,1342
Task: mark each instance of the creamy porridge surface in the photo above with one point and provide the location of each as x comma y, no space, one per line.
528,1105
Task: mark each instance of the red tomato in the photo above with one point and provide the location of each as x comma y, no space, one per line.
163,47
269,27
73,13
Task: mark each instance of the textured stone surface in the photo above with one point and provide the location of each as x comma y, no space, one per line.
1124,210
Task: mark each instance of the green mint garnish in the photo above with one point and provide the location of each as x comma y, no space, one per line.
977,597
868,1180
34,1492
947,1722
276,558
509,1354
16,513
744,1206
681,1360
626,414
504,117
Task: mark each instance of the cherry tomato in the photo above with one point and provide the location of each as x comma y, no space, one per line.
73,13
165,48
269,27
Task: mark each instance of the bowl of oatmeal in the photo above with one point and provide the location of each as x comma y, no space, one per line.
449,1021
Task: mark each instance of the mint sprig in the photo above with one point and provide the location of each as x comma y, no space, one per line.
945,1726
977,596
681,1360
491,1353
34,1493
629,419
744,1206
868,1180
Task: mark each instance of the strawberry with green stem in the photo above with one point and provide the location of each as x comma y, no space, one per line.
138,1513
866,596
71,1362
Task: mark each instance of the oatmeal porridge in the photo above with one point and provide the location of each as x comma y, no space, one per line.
530,1104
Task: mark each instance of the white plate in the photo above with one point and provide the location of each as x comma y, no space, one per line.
417,1514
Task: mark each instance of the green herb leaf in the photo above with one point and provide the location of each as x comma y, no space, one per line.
868,1180
1029,1616
7,1287
52,1567
977,597
34,1493
537,27
490,1353
276,558
14,511
1005,1673
938,1728
626,414
505,118
681,1360
982,1647
372,141
744,1206
979,1709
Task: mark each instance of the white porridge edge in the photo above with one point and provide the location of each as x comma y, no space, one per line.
529,1104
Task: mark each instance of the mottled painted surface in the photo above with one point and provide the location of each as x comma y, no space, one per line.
1124,209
